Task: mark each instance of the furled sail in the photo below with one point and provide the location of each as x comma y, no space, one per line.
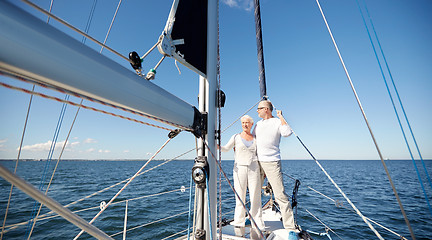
185,35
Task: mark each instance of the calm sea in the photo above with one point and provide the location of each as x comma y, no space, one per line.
156,195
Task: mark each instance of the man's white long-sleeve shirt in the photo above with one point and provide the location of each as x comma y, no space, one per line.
268,133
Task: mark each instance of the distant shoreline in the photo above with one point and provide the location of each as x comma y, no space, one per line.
134,160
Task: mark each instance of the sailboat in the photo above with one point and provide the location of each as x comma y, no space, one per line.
101,80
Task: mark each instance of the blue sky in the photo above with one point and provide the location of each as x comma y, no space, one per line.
304,79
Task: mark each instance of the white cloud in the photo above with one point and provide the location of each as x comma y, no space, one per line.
126,151
90,140
242,4
231,3
40,147
90,150
2,145
104,151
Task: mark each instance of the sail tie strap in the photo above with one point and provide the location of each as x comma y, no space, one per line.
400,103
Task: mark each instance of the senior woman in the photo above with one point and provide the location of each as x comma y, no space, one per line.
246,173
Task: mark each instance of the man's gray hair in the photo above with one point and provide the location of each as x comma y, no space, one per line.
248,118
268,104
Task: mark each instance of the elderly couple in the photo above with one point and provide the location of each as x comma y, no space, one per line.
262,144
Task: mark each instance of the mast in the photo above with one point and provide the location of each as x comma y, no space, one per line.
207,104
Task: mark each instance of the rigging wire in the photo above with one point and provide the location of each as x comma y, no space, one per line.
336,185
47,164
75,29
55,168
241,116
112,22
340,190
43,217
89,20
393,103
370,131
326,227
16,164
13,226
338,204
235,192
175,234
147,224
121,190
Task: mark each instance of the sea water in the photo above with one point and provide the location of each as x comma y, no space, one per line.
157,206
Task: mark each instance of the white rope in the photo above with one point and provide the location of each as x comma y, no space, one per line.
339,204
112,22
327,227
16,164
55,169
147,224
370,131
175,234
75,29
121,190
44,217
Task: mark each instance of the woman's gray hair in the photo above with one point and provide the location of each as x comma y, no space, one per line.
248,118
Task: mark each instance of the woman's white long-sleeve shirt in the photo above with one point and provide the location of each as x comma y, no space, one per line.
268,133
243,155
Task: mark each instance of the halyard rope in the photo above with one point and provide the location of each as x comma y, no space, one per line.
394,106
371,133
75,29
80,105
